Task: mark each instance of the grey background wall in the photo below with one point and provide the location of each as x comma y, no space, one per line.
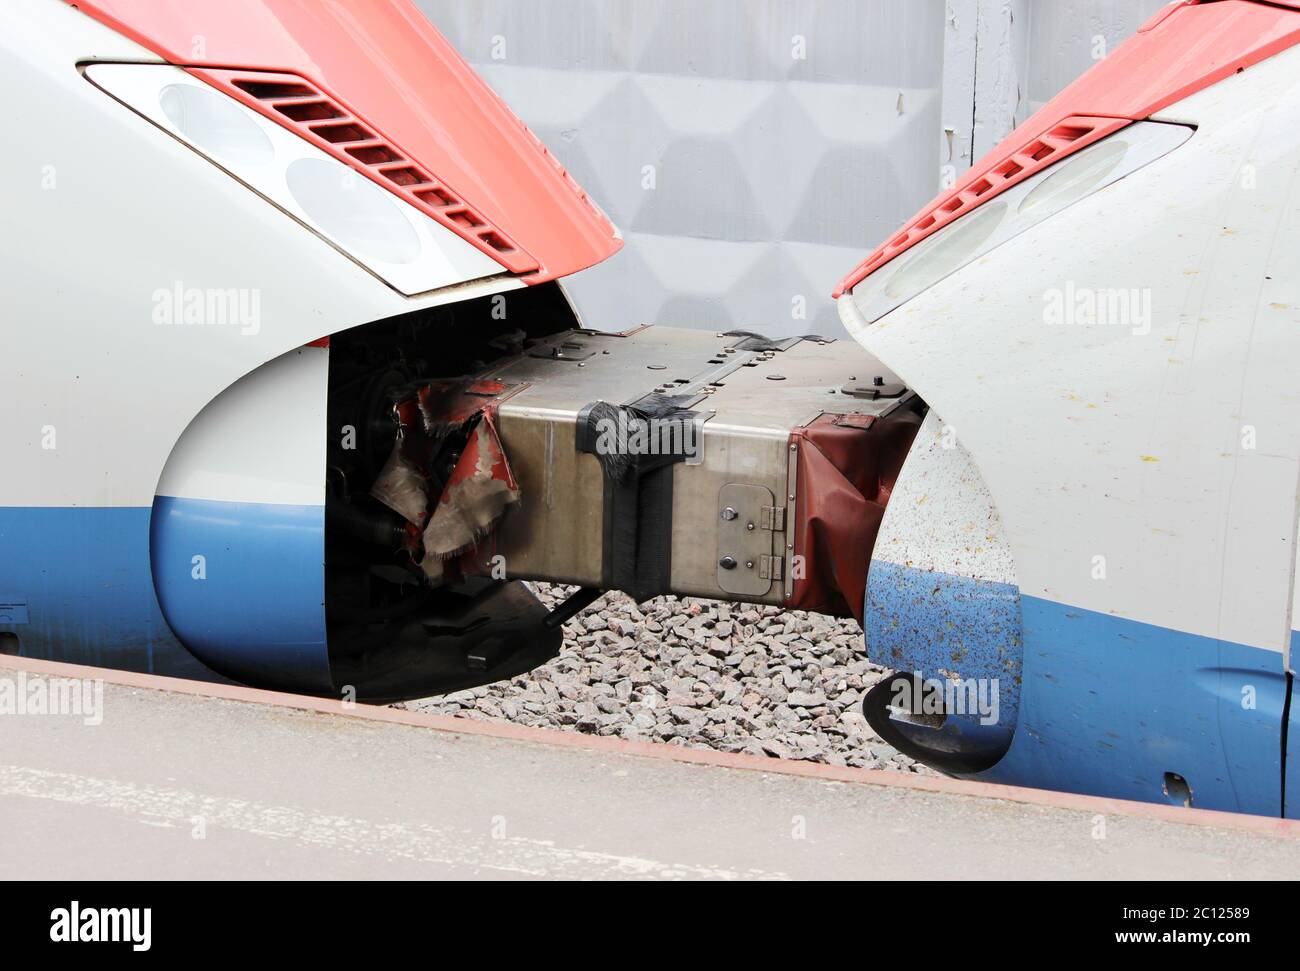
754,151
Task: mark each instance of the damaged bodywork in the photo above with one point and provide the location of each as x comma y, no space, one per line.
652,462
448,476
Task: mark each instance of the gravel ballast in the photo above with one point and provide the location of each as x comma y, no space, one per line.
731,677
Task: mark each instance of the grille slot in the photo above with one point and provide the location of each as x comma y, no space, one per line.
988,180
316,116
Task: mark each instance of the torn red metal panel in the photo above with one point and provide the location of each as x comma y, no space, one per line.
403,485
449,405
453,516
477,495
403,489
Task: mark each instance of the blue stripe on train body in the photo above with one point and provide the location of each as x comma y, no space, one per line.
1107,706
1292,789
258,613
1110,705
82,575
86,585
942,627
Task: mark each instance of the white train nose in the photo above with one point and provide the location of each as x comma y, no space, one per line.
237,539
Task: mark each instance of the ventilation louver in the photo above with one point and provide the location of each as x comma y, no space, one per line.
299,105
994,176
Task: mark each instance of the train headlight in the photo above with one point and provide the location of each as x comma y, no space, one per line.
379,230
352,209
215,124
1008,215
1078,176
944,252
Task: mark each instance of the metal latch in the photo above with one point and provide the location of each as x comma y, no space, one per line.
743,548
772,518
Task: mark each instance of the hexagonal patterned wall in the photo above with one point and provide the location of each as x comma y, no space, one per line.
751,151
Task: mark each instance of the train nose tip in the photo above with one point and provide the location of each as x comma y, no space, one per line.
237,534
242,587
